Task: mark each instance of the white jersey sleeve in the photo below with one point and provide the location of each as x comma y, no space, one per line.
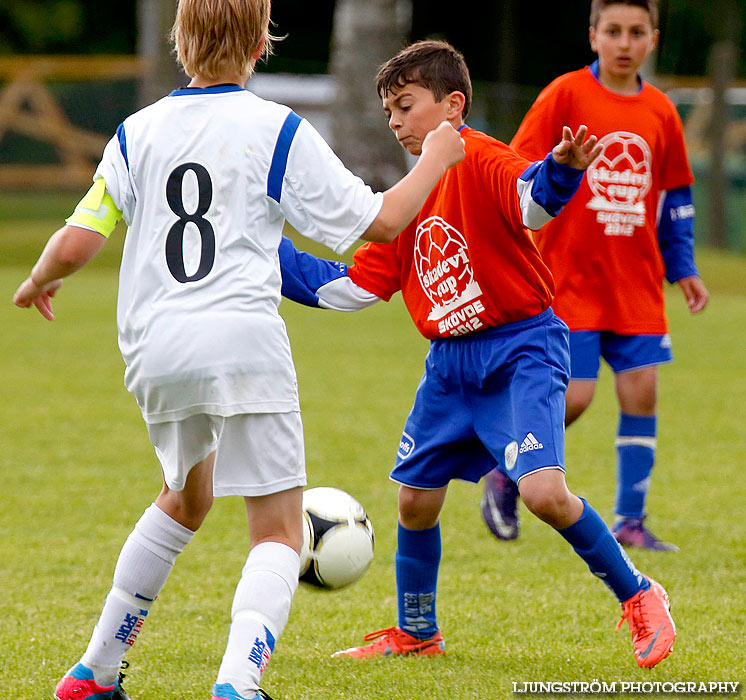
320,197
544,188
114,170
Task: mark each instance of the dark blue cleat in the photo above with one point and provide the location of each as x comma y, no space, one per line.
631,532
499,505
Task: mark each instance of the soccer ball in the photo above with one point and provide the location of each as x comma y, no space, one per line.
337,538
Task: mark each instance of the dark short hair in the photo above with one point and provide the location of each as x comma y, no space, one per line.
597,6
435,65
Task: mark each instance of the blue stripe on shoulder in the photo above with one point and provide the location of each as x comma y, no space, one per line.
280,156
123,144
211,90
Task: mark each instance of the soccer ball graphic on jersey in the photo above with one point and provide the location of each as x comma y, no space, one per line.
621,176
443,266
337,538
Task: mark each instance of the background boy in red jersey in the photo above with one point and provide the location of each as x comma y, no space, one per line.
629,225
496,372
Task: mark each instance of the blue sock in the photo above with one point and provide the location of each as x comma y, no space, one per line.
417,562
593,542
635,447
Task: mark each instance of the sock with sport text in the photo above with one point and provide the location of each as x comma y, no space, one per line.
593,542
417,563
146,560
635,447
261,606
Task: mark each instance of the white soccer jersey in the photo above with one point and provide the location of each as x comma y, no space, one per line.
205,179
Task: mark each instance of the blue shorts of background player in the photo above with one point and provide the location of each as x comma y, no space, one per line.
634,360
623,353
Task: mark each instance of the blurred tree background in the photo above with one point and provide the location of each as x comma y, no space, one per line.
66,27
508,41
513,49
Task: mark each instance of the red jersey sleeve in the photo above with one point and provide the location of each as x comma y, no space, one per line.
376,267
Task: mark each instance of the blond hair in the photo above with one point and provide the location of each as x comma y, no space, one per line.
213,38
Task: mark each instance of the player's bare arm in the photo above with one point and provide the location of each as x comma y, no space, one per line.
442,148
67,251
695,293
576,150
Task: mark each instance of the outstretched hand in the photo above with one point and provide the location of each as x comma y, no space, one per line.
575,150
695,293
29,293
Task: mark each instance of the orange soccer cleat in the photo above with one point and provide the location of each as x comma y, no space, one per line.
653,629
394,640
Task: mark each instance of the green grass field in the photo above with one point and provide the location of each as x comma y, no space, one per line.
78,470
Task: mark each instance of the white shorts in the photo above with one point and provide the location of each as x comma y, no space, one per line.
256,453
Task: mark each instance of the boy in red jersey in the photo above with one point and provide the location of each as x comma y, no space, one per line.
629,225
496,372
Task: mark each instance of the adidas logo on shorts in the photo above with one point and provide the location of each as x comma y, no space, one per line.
530,443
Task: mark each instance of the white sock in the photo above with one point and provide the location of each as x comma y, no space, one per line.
144,564
260,612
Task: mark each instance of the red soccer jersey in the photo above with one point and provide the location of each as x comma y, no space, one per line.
466,262
602,247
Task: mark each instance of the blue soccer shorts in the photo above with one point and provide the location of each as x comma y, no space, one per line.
623,353
494,398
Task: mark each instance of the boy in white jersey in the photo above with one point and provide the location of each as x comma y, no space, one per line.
205,179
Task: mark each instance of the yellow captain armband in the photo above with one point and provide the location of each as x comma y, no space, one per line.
96,210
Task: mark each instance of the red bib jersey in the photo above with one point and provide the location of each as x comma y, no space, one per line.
466,262
603,247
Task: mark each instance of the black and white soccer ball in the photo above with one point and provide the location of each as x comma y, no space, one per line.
338,538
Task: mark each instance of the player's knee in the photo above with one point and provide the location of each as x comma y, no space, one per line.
573,411
541,503
410,515
578,397
577,402
641,405
546,503
186,509
193,514
415,510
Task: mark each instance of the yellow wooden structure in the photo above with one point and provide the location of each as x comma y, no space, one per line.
27,107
